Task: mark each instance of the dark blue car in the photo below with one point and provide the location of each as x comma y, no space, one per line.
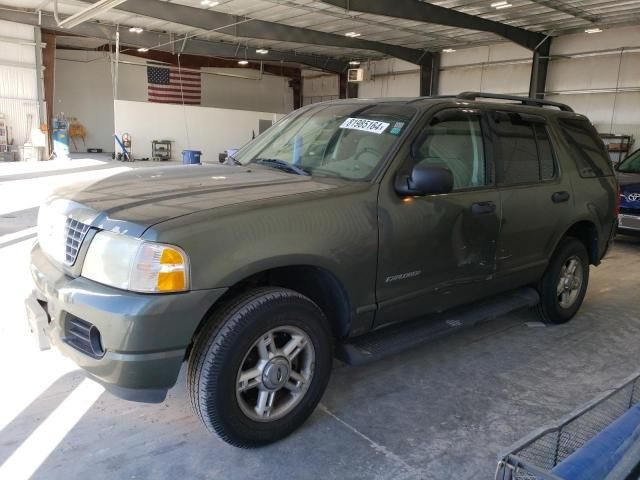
629,180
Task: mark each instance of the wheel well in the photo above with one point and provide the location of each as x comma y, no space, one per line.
587,233
315,283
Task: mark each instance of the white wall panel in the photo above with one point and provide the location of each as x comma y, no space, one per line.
210,130
390,79
318,87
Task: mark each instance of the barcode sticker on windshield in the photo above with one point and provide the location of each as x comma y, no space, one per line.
365,125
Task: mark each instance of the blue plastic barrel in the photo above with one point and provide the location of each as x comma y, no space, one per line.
191,157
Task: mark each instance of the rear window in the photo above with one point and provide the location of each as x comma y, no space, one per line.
524,148
587,149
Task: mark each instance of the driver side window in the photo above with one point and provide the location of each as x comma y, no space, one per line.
453,140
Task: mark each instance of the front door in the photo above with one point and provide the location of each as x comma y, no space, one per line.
438,251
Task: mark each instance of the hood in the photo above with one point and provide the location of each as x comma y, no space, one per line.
133,201
629,190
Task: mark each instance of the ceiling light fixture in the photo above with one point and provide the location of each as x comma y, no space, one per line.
136,30
354,63
143,49
243,62
262,51
209,3
501,5
448,50
593,30
352,34
90,12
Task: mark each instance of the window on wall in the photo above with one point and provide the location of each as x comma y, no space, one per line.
524,149
453,140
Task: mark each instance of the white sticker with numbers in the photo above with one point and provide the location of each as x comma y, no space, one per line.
365,125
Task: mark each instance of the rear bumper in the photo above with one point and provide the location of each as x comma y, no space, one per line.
144,336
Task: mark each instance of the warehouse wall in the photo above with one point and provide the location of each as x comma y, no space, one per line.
604,87
501,68
83,90
319,87
390,78
210,130
18,82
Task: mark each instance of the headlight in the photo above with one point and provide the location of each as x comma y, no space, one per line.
137,265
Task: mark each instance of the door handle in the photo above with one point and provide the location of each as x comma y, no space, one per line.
560,197
483,208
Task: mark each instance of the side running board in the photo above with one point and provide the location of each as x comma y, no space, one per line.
397,338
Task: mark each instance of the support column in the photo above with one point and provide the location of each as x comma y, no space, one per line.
48,65
347,89
539,69
429,74
296,85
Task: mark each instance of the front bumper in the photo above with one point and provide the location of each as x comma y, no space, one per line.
145,336
629,223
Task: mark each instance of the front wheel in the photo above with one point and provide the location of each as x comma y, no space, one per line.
564,284
260,366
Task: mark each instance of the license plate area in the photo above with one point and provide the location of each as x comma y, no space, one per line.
38,320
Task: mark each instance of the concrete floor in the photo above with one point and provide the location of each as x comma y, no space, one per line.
441,411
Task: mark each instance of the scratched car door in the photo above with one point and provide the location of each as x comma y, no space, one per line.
438,251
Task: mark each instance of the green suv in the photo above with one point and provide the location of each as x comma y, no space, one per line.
352,228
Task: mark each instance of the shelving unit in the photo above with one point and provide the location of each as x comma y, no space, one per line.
618,146
161,150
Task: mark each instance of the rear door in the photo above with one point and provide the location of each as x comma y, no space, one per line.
535,197
439,250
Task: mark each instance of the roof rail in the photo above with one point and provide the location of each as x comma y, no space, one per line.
531,102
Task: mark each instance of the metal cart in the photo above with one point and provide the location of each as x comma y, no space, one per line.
535,456
161,150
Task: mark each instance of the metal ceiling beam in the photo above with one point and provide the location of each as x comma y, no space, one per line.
152,40
257,29
425,12
568,9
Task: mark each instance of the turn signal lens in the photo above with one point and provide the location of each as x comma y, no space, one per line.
159,268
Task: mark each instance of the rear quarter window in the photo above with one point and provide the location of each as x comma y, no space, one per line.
586,148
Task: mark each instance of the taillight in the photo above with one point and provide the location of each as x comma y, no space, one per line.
618,200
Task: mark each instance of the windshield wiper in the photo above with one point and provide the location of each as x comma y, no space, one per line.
233,159
281,165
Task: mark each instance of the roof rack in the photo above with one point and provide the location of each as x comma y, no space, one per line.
531,102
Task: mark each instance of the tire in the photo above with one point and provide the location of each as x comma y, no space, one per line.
258,328
559,304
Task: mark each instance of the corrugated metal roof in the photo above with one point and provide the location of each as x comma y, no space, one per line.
548,16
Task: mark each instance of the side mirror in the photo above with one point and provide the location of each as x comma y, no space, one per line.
425,180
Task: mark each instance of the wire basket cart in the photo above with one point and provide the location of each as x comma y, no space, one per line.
537,455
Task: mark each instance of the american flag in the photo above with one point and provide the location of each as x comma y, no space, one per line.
171,85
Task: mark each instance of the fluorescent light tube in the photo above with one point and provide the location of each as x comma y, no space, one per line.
89,13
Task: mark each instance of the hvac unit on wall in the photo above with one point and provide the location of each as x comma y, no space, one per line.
358,75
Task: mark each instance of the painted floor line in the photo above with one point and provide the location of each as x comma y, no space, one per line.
411,472
33,452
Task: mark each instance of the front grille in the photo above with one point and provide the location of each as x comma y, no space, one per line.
75,233
83,336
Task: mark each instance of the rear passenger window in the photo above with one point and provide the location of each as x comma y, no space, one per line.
545,153
524,148
587,148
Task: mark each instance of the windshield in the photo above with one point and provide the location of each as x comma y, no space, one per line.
339,140
631,164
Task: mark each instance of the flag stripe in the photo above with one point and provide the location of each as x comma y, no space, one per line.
168,84
174,90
